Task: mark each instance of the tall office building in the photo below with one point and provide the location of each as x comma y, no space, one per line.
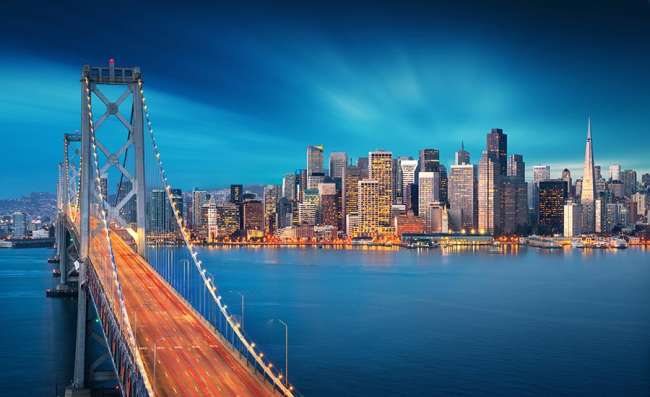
461,157
489,194
285,213
19,220
514,205
236,194
629,182
463,197
364,165
566,177
370,202
157,211
271,196
350,192
128,212
406,177
588,191
429,160
289,187
338,161
328,206
497,148
381,171
212,220
177,200
552,196
227,219
426,192
615,172
314,165
516,166
541,173
572,219
253,215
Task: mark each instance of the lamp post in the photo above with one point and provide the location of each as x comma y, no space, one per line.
286,351
243,305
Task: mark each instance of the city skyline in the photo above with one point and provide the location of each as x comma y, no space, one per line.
257,103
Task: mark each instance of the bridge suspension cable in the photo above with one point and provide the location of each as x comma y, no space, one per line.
211,308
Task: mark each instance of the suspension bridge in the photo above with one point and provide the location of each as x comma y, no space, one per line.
150,318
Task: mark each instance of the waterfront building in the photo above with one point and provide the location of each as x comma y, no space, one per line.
370,202
271,196
462,156
552,197
289,183
157,211
572,219
352,224
437,219
489,195
338,161
588,191
177,202
19,221
514,205
463,197
641,200
236,194
227,220
328,204
350,192
381,171
408,223
253,216
426,191
212,220
307,213
599,216
314,165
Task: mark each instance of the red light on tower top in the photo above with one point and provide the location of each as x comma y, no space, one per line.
111,61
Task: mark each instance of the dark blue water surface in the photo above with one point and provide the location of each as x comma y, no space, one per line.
37,333
392,323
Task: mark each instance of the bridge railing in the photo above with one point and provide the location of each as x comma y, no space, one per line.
182,268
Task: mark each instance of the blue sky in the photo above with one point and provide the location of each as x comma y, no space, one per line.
237,92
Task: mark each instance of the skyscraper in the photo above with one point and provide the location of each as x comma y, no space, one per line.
461,157
572,219
338,161
289,187
271,197
497,147
426,192
516,166
328,207
236,194
615,172
370,202
253,215
489,194
541,173
588,191
629,182
463,197
566,177
157,209
350,192
381,171
429,160
314,165
406,177
552,196
19,220
514,197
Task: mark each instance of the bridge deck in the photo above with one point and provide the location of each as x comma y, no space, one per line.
191,359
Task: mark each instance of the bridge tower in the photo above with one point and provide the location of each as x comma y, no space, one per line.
93,79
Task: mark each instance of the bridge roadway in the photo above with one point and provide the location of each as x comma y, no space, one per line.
191,359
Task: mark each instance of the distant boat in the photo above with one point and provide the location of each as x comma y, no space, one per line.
577,244
542,242
618,243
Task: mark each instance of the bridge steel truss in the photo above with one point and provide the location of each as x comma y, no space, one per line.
87,211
